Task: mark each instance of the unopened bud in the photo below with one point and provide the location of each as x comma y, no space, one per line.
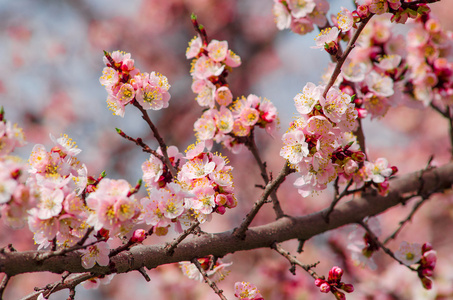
138,236
339,295
324,287
427,283
348,288
335,274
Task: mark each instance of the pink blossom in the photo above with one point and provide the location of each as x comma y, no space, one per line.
377,171
246,291
51,203
109,77
206,91
205,67
381,85
378,6
224,120
408,253
345,20
301,26
205,127
66,145
306,100
223,96
233,60
153,94
296,148
217,50
97,253
301,8
152,170
194,47
335,104
282,16
327,38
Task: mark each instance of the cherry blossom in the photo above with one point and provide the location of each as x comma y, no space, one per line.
96,253
246,291
409,254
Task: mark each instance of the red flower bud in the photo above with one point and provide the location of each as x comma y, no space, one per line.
138,236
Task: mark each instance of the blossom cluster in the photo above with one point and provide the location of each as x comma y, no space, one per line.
386,69
124,84
113,207
204,185
334,284
423,256
300,15
318,144
214,269
15,197
225,121
57,180
430,76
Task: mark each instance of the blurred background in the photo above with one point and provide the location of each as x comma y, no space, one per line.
51,60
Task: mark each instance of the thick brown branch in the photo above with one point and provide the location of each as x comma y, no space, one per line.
221,244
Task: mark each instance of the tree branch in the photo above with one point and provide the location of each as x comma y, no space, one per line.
221,244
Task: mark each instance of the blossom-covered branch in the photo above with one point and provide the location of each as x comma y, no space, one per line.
221,244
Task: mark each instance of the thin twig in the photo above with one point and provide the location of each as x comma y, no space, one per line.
336,199
251,145
207,280
294,261
345,54
170,247
144,274
3,284
407,219
385,249
271,186
159,139
139,142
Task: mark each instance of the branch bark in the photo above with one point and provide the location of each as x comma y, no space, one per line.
221,244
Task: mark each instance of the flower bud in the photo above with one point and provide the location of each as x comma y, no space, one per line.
426,247
335,274
319,281
324,287
138,236
220,210
348,288
362,11
427,283
339,295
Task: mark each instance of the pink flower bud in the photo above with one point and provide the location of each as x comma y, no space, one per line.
429,259
319,281
339,295
138,236
427,272
426,247
220,210
427,283
324,287
348,288
362,11
362,113
335,274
